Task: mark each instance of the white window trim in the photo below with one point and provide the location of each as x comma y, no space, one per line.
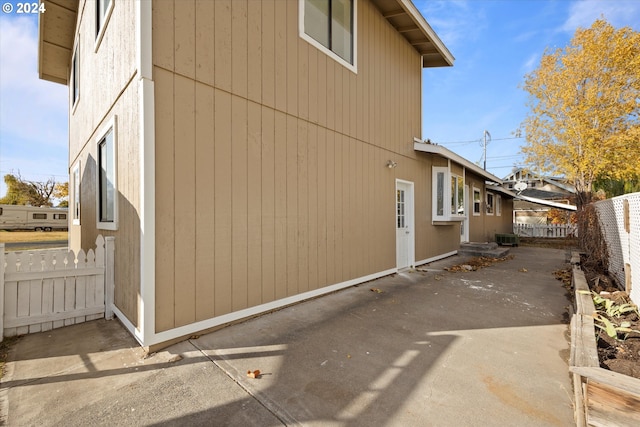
102,30
75,173
473,201
75,78
110,125
447,214
352,67
498,201
486,200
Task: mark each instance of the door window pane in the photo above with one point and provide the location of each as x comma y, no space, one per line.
400,206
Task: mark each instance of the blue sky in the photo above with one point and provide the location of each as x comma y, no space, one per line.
495,43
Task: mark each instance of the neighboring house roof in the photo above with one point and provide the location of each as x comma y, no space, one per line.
427,147
56,28
534,199
567,187
544,194
553,180
57,25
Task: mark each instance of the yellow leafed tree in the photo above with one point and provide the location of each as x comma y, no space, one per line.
584,100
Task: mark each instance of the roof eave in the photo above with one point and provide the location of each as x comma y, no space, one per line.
409,22
424,147
56,28
441,58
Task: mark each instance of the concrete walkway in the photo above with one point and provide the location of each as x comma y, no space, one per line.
425,348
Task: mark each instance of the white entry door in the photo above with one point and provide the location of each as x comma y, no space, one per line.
404,224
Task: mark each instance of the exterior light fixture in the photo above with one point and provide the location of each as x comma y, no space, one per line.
391,164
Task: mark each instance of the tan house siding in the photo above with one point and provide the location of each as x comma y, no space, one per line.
499,223
270,156
476,222
483,227
107,91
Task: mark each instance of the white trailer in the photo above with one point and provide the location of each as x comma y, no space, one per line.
16,217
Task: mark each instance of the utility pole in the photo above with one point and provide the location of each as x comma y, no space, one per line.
484,147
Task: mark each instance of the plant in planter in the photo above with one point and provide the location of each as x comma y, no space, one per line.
608,317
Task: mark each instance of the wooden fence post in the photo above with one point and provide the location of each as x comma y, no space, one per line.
1,292
109,277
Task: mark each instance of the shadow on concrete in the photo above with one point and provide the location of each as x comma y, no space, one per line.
362,357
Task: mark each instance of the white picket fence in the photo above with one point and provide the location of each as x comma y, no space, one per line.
546,230
46,289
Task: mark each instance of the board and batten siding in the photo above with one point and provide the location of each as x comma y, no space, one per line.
270,156
483,227
107,90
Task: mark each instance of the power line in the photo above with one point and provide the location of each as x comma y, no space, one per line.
478,140
504,157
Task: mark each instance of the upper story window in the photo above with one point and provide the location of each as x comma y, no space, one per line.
75,77
330,26
103,13
448,195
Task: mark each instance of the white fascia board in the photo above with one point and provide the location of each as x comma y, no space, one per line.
448,154
532,199
510,193
548,203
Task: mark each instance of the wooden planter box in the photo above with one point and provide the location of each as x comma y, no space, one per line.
602,397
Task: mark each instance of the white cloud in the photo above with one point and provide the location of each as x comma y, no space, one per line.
531,63
619,13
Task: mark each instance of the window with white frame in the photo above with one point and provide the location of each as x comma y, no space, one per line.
457,195
477,202
107,203
490,203
448,195
75,213
103,13
75,77
329,25
498,205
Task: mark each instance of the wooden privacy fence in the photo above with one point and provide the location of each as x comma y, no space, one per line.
545,230
47,289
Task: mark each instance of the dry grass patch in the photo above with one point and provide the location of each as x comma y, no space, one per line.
32,236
